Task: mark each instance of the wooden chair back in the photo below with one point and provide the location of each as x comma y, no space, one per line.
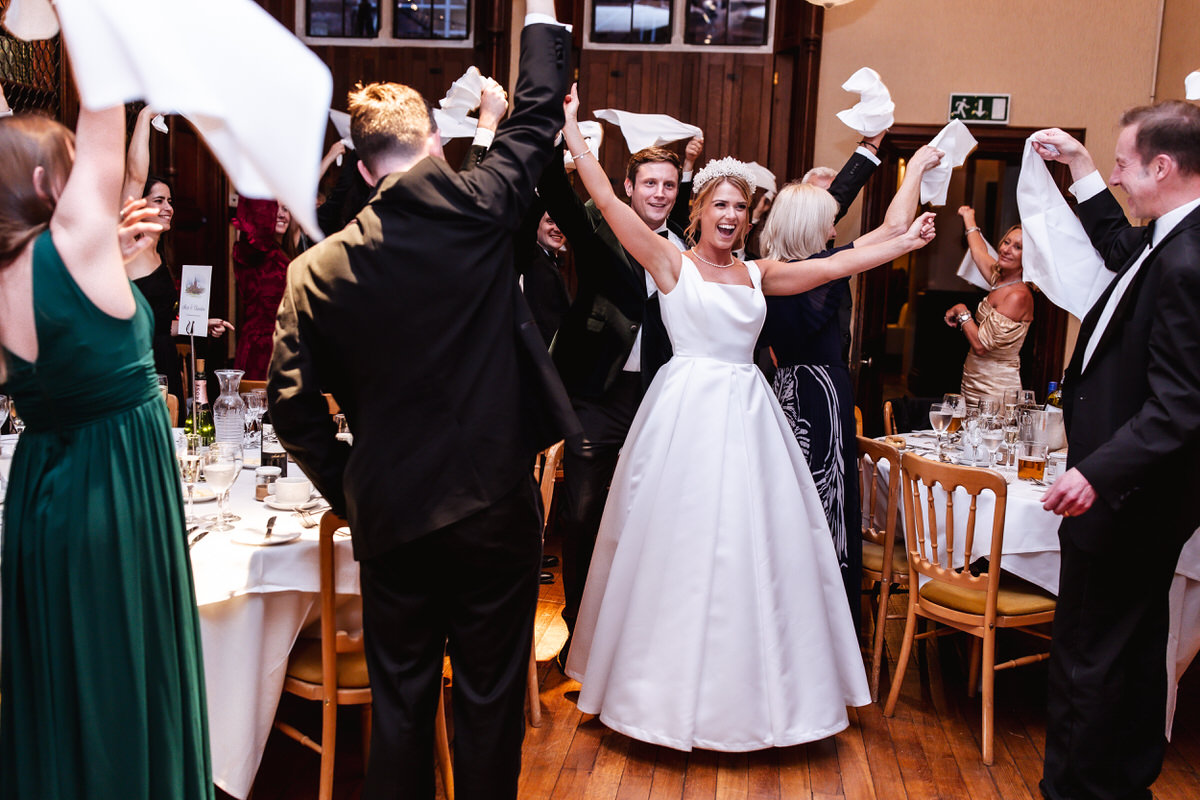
889,419
935,548
858,425
173,410
250,386
546,472
871,454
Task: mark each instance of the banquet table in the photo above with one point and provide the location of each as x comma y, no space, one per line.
1030,551
254,602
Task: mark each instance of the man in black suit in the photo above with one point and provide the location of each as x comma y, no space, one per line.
537,253
609,345
412,318
1128,496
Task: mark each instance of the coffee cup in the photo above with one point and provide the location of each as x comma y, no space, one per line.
292,491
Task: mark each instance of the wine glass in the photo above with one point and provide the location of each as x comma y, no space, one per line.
189,458
992,433
1012,428
255,406
939,417
3,409
972,435
221,468
989,407
16,423
1027,400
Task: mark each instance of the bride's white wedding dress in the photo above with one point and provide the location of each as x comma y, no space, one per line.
714,614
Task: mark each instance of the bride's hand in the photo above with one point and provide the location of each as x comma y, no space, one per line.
571,103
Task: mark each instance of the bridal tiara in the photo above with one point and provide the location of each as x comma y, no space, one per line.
727,167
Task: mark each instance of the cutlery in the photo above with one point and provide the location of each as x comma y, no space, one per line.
270,525
199,536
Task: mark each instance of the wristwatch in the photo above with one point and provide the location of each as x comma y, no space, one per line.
964,318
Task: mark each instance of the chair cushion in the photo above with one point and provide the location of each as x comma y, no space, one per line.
1016,597
305,664
872,558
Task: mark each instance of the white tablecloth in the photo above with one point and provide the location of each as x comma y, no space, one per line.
1031,552
254,601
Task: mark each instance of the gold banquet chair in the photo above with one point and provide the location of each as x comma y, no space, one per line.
954,596
884,565
333,671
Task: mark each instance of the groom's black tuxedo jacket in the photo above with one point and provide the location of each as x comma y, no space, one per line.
610,305
411,316
1133,414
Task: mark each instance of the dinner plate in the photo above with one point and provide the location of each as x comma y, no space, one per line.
257,538
311,502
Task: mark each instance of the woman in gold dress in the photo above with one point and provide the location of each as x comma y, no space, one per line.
997,330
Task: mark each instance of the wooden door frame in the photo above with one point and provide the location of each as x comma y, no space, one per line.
1049,331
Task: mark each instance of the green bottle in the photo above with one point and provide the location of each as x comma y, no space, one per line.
199,419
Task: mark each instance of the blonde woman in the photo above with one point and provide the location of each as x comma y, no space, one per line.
713,557
998,328
812,382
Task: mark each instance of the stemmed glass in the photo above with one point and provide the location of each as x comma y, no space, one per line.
256,406
221,469
190,459
16,423
3,409
939,417
989,407
957,407
992,431
972,434
1012,429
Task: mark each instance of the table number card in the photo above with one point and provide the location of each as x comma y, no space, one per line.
194,294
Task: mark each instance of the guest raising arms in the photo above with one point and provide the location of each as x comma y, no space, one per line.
148,271
100,666
1001,321
812,381
713,558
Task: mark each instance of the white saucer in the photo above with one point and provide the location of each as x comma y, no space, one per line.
271,502
256,538
200,495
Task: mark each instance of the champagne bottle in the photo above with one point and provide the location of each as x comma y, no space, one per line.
273,454
1054,396
200,418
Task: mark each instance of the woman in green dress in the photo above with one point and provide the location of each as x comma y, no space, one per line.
100,668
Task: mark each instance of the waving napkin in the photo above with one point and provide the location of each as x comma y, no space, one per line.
1056,254
31,19
1191,85
463,96
763,178
214,62
969,272
593,135
341,124
647,130
957,143
874,112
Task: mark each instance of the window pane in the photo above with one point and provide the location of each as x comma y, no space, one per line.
433,19
357,19
738,22
631,21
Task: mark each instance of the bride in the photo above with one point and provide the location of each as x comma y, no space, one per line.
714,614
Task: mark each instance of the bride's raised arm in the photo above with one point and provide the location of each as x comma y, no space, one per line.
656,255
794,277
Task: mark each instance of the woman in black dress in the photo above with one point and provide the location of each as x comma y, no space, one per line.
812,381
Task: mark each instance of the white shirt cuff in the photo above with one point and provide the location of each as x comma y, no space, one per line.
484,137
864,151
1088,186
544,19
685,177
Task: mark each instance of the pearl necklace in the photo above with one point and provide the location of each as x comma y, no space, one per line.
711,264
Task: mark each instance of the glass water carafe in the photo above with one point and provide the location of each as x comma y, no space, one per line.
229,410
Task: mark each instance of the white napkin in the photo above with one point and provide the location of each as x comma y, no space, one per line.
874,112
341,124
763,178
31,19
593,135
211,61
647,130
159,123
957,143
5,111
464,95
969,272
1192,85
1056,252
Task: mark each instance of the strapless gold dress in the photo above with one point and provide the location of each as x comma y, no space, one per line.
1000,367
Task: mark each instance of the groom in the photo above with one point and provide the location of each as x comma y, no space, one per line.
1129,399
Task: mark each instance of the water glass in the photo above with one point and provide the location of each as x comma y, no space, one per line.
3,409
190,460
992,433
989,407
221,468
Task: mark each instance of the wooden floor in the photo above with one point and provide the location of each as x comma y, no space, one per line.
929,749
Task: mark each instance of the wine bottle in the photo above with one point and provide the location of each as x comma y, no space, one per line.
273,454
1054,395
200,418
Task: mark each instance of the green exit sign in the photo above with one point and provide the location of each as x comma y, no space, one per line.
989,109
